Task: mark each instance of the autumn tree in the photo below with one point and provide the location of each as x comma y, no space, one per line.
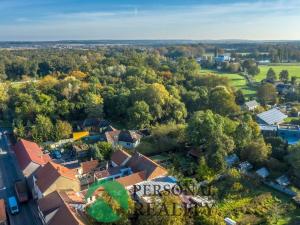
256,151
62,130
267,94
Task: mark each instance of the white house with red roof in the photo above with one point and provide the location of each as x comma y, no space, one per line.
30,157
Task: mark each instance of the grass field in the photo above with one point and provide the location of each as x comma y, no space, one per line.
236,81
294,70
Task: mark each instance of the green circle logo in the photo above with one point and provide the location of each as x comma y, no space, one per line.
111,201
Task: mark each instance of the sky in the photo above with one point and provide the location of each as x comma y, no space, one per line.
41,20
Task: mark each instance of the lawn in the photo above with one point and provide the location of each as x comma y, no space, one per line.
294,70
235,80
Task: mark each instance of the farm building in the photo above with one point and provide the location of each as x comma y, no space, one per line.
271,117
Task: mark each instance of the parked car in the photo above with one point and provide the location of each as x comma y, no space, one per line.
13,205
56,154
21,191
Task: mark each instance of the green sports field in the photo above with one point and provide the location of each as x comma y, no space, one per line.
294,70
236,81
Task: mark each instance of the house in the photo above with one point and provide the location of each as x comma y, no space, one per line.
263,172
87,170
88,167
251,105
112,173
222,58
271,117
95,125
283,89
288,132
129,181
125,138
129,139
30,157
53,177
283,180
129,170
62,207
231,160
3,218
139,162
120,158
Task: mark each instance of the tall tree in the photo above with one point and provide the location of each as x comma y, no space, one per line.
62,130
284,76
42,129
222,101
271,76
139,115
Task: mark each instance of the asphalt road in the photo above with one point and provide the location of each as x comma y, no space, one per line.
9,173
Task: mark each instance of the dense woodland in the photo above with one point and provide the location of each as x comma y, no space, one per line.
159,89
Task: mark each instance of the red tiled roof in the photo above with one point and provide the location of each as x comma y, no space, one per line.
89,166
2,211
118,157
48,174
27,152
58,203
132,179
112,136
108,172
139,162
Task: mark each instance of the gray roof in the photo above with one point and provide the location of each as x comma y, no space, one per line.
283,180
251,104
272,116
231,159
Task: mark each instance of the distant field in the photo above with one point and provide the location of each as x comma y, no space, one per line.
294,70
236,81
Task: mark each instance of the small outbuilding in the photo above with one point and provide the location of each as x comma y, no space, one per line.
231,160
263,172
283,180
229,221
251,105
245,166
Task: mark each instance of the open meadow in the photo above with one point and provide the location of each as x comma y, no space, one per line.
236,80
294,70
